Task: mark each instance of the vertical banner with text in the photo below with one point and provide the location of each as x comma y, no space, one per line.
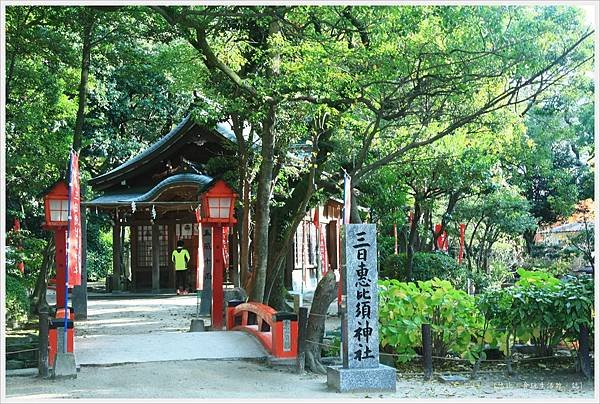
74,227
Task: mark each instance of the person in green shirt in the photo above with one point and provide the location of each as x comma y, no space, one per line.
180,257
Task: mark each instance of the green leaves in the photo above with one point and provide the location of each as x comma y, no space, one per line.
454,319
540,308
534,310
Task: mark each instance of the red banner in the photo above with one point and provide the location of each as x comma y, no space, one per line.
225,248
17,229
442,240
74,227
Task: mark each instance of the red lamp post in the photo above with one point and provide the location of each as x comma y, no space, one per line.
56,207
217,210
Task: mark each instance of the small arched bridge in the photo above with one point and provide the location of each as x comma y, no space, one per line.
276,331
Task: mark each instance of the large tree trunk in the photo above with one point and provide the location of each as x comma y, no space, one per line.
88,23
245,238
263,197
286,219
325,293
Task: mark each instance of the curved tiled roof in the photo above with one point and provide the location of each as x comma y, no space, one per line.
147,154
161,145
202,181
148,195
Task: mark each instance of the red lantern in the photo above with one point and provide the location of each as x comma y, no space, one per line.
218,203
217,210
56,205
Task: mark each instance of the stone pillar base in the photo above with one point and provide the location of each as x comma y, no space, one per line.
64,366
381,379
197,325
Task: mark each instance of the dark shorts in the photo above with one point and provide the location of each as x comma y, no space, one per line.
181,277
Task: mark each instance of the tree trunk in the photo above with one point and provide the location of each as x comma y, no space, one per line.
452,201
263,210
325,293
245,238
293,211
528,236
88,23
244,179
276,298
354,213
39,293
410,251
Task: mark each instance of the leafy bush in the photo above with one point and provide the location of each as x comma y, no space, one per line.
333,347
17,299
426,266
540,309
456,323
99,257
23,246
496,275
392,266
557,267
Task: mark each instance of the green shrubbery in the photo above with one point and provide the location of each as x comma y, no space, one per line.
17,299
538,309
99,254
426,266
455,320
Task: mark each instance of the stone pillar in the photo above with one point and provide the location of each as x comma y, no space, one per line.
206,295
80,295
116,239
360,370
155,259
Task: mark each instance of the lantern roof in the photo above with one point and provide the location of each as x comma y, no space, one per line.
219,187
58,189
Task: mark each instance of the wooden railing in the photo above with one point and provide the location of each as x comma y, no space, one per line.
276,331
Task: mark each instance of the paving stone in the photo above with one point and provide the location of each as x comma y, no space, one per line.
452,379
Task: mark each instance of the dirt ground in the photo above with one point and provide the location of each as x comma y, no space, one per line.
138,315
234,380
249,380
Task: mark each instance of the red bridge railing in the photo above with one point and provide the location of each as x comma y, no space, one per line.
277,331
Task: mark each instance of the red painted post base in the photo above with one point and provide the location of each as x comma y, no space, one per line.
217,278
53,335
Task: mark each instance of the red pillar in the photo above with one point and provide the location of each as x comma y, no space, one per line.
217,277
60,241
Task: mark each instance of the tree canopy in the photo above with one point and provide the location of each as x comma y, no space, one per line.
430,109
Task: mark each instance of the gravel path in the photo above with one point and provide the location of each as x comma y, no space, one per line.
249,380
